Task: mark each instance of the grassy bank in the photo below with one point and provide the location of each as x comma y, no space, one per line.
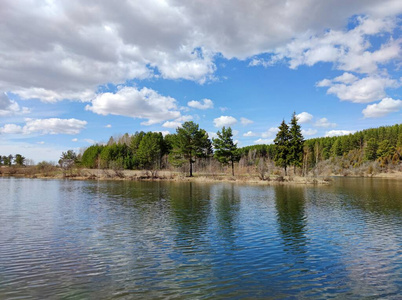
53,172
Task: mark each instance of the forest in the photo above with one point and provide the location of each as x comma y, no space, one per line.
190,150
370,150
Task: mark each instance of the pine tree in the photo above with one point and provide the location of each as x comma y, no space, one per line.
191,142
225,150
296,143
282,146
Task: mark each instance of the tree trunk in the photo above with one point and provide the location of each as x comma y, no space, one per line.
232,168
286,172
191,168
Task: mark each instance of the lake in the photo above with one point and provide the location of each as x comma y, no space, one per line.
124,240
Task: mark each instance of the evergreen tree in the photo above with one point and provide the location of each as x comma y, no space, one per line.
191,143
19,160
282,146
90,158
296,143
370,152
150,150
225,150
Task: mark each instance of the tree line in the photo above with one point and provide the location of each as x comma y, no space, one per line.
9,160
191,145
152,150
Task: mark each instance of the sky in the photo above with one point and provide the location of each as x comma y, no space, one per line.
73,73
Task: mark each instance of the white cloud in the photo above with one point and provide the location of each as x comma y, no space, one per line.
249,134
348,50
270,132
10,107
74,140
164,132
172,124
177,122
323,122
224,121
384,107
52,96
91,141
11,129
338,132
245,121
45,126
363,90
308,132
223,109
206,104
264,141
108,126
131,102
86,44
212,135
346,77
304,117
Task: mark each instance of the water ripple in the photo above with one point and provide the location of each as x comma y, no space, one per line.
124,240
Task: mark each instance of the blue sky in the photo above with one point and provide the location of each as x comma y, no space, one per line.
73,74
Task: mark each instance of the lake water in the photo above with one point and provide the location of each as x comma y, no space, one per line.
125,240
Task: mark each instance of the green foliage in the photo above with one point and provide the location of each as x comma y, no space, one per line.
19,160
370,152
150,150
282,146
191,143
385,149
296,143
70,154
91,156
225,149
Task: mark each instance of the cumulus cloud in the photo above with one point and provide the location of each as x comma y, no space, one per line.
365,90
108,126
338,132
308,132
348,50
131,102
86,44
225,121
74,140
177,122
304,117
245,121
206,104
264,141
45,126
323,122
381,109
9,107
249,134
270,132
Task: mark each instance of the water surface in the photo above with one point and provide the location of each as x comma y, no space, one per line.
124,240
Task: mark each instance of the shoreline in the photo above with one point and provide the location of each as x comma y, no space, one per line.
163,175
